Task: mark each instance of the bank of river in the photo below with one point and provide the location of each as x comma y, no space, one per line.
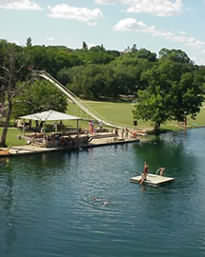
82,204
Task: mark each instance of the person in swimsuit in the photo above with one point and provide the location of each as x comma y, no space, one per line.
160,171
146,169
144,174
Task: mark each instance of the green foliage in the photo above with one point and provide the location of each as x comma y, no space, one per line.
168,87
146,54
171,93
96,55
175,55
92,81
52,59
37,97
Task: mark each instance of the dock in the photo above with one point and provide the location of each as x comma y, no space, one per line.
35,149
110,140
152,179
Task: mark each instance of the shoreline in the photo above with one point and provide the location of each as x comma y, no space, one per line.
20,150
32,149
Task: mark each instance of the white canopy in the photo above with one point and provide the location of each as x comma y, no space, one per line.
50,115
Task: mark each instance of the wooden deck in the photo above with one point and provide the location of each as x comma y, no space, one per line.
31,149
152,179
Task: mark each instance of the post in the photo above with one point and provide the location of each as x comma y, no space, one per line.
78,145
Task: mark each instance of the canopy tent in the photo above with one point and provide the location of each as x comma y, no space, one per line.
50,115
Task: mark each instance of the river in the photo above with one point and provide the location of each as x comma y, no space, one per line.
82,204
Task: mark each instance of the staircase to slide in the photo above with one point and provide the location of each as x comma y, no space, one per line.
71,96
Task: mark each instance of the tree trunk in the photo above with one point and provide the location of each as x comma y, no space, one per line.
157,127
6,124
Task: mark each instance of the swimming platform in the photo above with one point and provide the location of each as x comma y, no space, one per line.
152,179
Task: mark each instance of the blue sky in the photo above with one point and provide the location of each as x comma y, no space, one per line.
117,24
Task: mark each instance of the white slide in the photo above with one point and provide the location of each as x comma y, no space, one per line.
71,96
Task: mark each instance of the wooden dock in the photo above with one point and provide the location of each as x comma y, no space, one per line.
152,179
32,149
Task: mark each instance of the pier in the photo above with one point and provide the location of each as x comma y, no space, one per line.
99,140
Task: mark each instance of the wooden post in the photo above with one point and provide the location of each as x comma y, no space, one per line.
78,134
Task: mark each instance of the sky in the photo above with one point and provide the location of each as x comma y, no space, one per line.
115,24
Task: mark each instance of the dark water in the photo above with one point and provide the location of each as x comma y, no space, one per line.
82,204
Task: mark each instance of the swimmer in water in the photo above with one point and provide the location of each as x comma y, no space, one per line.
97,199
105,203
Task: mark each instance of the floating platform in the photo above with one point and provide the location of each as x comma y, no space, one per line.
152,179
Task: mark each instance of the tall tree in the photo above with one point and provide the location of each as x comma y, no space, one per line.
171,93
13,70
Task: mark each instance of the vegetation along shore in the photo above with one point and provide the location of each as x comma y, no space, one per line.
135,88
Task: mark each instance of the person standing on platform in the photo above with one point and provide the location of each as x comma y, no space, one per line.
145,172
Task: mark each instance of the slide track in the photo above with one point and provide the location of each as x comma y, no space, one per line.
71,96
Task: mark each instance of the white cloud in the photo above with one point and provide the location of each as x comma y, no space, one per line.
50,39
19,5
131,24
64,11
155,7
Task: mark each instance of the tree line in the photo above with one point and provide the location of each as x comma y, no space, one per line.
167,86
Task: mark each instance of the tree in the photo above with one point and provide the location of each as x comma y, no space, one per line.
152,102
94,81
13,69
85,47
146,54
29,42
175,55
171,93
88,81
187,96
37,97
134,48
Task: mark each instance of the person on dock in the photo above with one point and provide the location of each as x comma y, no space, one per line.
116,132
126,132
122,132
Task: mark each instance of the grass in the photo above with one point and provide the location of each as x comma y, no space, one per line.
121,114
116,113
13,137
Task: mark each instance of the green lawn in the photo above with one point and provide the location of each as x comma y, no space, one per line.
12,138
121,114
116,113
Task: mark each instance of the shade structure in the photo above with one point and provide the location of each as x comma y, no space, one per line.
50,115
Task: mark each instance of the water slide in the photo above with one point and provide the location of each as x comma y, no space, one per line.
71,96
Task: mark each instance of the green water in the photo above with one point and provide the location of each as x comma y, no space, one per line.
82,204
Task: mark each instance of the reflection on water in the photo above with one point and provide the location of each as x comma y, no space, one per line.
82,204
